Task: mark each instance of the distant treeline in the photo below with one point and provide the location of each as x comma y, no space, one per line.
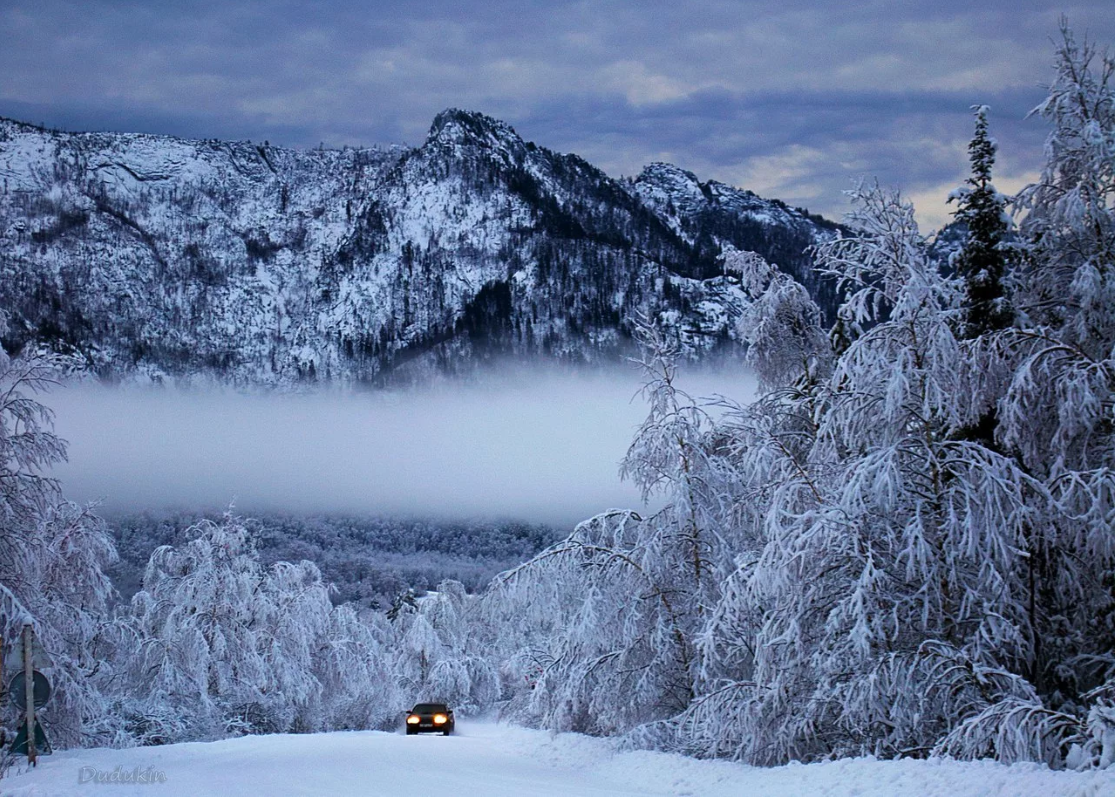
369,560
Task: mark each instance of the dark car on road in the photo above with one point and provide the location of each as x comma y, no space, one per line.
430,718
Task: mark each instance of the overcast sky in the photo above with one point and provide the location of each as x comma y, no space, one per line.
790,99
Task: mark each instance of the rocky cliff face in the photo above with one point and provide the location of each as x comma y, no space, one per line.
166,259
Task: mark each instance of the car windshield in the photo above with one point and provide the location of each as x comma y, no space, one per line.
430,708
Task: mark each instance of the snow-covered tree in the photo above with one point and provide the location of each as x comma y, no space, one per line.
781,325
52,552
1068,212
668,455
614,650
984,259
197,616
921,589
625,594
830,593
352,664
439,651
1057,411
233,647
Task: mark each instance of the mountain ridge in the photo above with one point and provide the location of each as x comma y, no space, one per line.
168,259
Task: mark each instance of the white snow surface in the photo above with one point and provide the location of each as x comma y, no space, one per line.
488,759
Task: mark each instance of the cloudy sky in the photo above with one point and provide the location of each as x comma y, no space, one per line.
790,99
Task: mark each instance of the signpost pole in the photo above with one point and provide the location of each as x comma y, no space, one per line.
3,689
29,687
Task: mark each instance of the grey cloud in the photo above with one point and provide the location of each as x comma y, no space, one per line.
718,134
724,88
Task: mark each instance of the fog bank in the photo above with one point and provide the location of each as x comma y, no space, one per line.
542,446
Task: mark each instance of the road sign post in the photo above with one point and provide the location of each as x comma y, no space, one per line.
42,743
40,689
29,694
29,690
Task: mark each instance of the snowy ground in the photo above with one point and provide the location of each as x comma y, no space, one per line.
485,759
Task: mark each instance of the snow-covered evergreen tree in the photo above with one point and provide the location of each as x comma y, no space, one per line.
984,259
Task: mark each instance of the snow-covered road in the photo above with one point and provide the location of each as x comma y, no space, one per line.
486,759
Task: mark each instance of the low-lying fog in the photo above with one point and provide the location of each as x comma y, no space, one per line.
542,446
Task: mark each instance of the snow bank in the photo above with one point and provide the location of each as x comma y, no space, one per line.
486,759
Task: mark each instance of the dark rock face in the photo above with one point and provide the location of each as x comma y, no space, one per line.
167,259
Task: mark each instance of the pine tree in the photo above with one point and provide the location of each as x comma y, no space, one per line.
984,264
984,260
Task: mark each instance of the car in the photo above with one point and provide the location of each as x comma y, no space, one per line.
430,718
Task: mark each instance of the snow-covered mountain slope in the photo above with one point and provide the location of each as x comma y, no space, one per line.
484,758
171,259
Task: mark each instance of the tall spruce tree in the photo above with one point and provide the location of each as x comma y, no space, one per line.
983,261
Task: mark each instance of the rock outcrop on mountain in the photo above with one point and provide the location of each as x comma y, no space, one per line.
159,258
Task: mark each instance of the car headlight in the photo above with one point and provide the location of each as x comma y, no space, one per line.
440,719
412,719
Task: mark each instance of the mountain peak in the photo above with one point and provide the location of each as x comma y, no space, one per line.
662,183
668,173
454,124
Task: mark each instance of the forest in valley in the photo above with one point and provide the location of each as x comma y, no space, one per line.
904,546
371,562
